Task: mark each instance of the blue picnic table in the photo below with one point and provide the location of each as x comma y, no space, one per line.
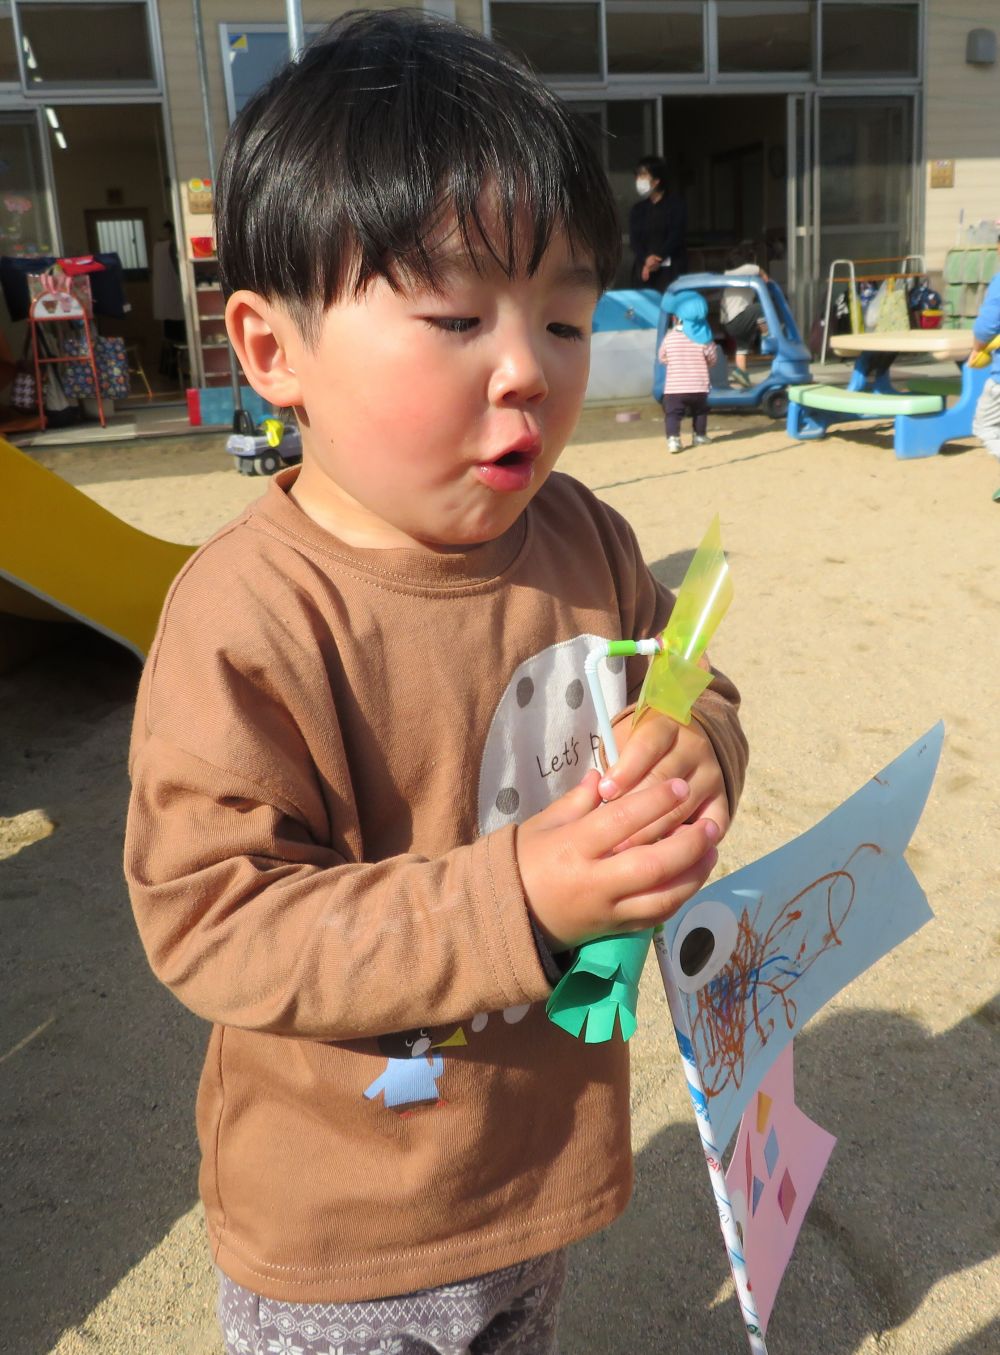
924,421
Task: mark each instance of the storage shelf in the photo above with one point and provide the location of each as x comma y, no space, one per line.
209,356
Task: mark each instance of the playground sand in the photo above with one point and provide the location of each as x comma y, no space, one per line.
867,607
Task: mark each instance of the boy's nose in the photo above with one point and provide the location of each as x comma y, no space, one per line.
519,377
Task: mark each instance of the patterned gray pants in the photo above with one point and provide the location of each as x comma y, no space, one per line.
509,1310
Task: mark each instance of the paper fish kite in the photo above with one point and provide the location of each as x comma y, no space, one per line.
750,958
745,963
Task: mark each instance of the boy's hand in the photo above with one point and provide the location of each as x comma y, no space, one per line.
659,749
581,882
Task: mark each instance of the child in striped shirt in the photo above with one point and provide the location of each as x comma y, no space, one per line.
688,352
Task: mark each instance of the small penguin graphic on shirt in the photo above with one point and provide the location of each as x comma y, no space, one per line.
410,1077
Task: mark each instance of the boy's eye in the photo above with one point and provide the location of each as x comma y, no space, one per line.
566,331
453,324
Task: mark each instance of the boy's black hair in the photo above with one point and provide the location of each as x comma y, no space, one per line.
744,252
390,125
656,167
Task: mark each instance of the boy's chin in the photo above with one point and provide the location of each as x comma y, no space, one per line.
467,536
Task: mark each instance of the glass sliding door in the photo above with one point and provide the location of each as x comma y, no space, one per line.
866,177
850,187
802,190
624,130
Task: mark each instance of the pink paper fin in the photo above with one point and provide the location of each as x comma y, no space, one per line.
779,1157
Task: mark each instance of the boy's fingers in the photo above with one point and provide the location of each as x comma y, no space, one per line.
717,809
707,800
615,822
660,829
649,742
649,871
647,910
572,806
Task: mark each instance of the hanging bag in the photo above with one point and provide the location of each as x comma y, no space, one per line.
110,360
893,314
56,288
23,390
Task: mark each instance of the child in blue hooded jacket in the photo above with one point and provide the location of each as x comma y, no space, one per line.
688,352
986,425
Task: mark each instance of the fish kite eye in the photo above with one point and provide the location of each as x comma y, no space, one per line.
703,945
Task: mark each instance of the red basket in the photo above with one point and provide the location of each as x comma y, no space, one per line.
930,319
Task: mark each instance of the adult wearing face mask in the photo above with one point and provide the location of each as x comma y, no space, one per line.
657,225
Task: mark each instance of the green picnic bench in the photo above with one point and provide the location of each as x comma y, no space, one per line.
812,410
864,404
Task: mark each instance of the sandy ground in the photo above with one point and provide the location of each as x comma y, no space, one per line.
867,606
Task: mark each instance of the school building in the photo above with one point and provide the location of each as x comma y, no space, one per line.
819,129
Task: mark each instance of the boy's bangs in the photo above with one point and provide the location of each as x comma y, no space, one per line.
477,227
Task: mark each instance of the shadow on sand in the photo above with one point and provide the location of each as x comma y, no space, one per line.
98,1064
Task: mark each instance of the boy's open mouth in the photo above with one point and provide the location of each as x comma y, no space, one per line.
521,452
513,469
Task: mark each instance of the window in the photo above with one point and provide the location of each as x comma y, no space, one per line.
251,55
121,233
84,45
9,73
623,131
764,37
562,40
24,217
867,40
655,36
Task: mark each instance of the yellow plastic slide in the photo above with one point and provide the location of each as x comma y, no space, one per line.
62,556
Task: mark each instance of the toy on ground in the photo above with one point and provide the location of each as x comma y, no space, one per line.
751,958
782,343
65,558
274,445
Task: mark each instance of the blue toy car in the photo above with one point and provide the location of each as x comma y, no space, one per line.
782,342
630,308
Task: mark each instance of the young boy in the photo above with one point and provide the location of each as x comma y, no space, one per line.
741,313
363,835
688,352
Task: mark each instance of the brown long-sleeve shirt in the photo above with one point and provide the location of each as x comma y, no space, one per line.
332,748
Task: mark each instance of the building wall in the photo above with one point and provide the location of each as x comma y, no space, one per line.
181,62
962,123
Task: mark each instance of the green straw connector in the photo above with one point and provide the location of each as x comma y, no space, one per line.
622,649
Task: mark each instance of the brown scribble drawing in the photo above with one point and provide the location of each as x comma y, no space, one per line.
755,989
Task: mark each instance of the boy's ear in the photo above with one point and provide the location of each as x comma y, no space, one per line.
265,339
